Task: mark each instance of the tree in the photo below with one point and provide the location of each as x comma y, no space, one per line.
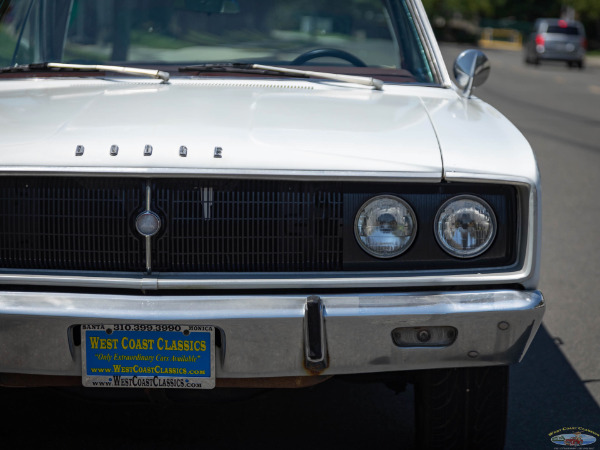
588,11
468,9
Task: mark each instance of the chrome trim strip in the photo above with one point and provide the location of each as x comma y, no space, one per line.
352,281
148,238
148,244
113,281
182,172
340,283
429,42
424,41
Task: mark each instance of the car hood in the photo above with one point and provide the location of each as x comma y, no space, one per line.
477,142
274,127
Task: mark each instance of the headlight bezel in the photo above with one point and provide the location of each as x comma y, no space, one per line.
437,231
372,252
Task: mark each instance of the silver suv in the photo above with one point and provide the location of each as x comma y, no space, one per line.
557,40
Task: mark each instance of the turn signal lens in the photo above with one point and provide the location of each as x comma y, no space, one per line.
385,226
465,226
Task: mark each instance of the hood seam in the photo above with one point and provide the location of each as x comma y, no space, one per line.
437,138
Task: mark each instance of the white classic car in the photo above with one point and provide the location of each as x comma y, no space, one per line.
198,194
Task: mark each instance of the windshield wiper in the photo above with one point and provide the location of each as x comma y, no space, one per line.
159,74
270,70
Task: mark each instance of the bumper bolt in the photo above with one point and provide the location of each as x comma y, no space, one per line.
473,354
424,336
503,326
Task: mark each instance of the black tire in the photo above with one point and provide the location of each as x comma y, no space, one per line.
462,408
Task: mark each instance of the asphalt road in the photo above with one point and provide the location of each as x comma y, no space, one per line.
556,386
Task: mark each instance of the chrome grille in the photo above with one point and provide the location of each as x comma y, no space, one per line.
248,226
71,223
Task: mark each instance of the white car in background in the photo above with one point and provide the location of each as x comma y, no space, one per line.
198,194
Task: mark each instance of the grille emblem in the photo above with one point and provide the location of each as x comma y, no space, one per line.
147,223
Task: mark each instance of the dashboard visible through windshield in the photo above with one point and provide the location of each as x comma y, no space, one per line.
360,37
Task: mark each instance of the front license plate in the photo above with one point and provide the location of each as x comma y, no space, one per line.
148,356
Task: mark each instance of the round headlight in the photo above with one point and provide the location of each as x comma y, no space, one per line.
465,226
385,226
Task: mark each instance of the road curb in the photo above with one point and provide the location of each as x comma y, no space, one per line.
593,61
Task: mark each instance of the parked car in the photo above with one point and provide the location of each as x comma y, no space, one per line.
556,40
212,193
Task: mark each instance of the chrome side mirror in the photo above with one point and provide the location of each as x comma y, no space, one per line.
471,69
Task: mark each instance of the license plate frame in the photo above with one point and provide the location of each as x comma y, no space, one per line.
148,356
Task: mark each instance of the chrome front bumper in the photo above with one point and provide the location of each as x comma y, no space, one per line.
266,336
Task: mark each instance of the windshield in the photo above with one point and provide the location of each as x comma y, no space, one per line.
362,37
557,29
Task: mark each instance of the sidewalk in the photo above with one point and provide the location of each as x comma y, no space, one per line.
593,61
